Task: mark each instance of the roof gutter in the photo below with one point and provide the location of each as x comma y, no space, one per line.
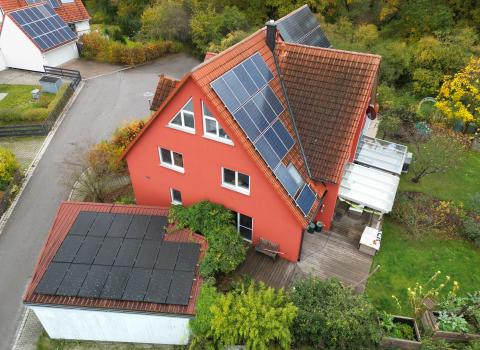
271,42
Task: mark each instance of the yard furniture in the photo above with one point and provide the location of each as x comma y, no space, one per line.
370,241
268,248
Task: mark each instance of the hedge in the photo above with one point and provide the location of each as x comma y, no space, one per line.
99,48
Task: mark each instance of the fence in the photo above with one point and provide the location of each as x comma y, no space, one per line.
10,192
45,127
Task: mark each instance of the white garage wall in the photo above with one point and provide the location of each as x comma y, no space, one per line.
3,64
18,50
82,27
61,54
83,324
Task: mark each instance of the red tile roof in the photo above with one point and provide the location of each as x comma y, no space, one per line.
164,87
329,91
10,5
209,55
73,12
66,215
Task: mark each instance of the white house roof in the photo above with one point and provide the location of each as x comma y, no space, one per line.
369,187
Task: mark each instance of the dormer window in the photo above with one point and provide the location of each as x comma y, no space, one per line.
184,120
212,129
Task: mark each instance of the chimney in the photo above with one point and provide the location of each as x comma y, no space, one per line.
271,34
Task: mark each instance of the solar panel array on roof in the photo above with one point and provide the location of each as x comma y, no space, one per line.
54,3
42,24
254,105
302,27
121,257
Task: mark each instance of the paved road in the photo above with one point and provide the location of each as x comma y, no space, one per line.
101,106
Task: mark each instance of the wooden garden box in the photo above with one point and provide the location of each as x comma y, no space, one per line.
429,322
398,343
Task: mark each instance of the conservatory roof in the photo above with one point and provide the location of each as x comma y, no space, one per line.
381,154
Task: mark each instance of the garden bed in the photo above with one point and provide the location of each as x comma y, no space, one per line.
403,334
430,323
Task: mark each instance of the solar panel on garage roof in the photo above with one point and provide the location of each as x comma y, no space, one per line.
94,265
42,24
302,27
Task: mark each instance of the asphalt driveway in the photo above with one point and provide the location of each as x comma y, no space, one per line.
102,105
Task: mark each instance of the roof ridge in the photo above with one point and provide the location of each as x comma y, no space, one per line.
292,13
348,52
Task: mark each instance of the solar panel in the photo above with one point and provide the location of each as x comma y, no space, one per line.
88,250
108,251
167,256
283,134
52,278
69,248
180,288
120,225
267,152
156,228
82,223
303,28
250,129
286,179
73,280
305,199
94,282
159,286
188,256
116,282
275,142
101,225
128,252
138,226
137,285
147,255
42,24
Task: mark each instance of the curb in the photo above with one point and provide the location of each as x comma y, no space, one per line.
38,157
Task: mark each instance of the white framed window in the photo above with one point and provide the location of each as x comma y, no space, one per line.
295,175
235,181
212,129
176,196
244,225
170,159
184,120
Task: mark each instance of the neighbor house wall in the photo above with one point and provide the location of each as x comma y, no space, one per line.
114,326
203,159
18,50
82,27
60,55
3,64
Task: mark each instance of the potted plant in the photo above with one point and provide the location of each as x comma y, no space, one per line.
319,226
400,332
311,227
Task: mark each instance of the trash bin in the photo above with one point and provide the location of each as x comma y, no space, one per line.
36,94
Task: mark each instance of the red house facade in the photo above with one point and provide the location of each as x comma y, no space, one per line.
277,177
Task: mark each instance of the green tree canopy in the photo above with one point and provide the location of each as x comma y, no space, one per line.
165,20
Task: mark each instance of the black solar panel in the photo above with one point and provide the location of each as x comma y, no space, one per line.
52,278
94,282
42,24
128,252
156,228
188,256
82,223
148,254
101,225
108,251
305,199
167,257
116,282
303,28
159,286
69,248
73,280
120,225
88,250
180,288
138,226
137,284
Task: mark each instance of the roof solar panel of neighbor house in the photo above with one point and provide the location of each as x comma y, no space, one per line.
101,225
73,280
303,28
305,199
120,225
82,223
156,228
138,226
180,287
93,284
42,24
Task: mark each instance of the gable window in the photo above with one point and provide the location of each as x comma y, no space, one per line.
184,119
244,225
235,181
212,129
170,159
176,196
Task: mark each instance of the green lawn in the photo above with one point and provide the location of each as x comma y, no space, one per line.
405,260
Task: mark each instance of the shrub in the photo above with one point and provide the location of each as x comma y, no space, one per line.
258,316
201,324
8,166
123,136
225,246
332,317
471,230
409,210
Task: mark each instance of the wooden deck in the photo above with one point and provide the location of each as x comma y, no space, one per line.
326,254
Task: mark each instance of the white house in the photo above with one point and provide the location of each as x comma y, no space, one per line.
37,33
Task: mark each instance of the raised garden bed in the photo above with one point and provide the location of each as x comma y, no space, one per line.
389,342
430,324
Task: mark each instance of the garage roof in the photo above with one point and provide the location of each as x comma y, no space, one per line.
372,188
114,256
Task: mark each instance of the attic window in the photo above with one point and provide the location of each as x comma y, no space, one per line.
184,120
212,129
